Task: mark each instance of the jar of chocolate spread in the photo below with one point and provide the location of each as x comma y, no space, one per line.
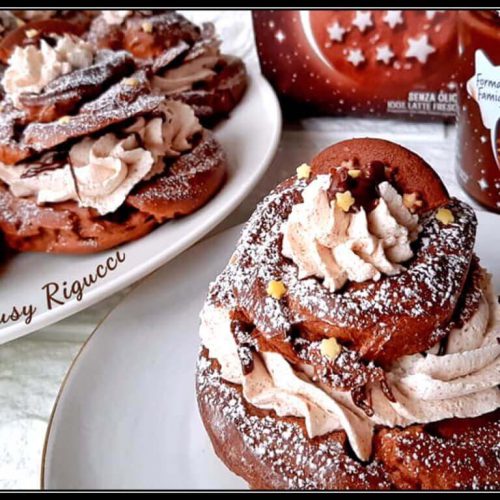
478,157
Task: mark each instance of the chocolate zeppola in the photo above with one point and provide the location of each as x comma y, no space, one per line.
352,342
91,154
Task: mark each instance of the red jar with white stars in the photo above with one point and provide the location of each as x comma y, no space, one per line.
361,62
478,160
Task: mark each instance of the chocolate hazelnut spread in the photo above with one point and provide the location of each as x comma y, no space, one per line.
478,160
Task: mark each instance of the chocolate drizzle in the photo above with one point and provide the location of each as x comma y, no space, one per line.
364,187
347,372
51,160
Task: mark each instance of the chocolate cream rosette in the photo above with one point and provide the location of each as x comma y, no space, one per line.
352,340
185,59
91,156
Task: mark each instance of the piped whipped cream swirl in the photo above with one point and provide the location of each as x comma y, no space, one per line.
337,246
31,68
463,382
102,171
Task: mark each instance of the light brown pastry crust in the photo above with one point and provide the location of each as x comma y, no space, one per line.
271,452
189,183
66,227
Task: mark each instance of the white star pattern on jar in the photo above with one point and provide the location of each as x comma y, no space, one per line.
280,36
355,57
336,32
363,20
384,54
483,184
393,18
419,48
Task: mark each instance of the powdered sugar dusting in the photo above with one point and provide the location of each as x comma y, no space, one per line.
296,462
431,282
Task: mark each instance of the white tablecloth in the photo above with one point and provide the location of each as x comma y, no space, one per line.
32,368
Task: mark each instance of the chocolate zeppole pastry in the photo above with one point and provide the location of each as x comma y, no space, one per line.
185,60
90,156
352,342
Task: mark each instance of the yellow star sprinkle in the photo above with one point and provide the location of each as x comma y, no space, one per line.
330,348
445,216
131,82
64,119
410,201
345,200
354,173
147,27
31,33
276,289
303,171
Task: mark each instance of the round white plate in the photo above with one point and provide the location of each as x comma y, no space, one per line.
28,281
126,416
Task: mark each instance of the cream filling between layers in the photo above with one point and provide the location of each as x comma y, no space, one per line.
31,68
427,388
183,77
102,171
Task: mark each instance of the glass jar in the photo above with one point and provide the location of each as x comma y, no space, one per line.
478,150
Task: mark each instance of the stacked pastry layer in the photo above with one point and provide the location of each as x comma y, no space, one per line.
100,145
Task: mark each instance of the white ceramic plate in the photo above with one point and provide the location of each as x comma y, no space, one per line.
126,416
250,138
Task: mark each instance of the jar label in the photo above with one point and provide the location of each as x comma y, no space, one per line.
484,88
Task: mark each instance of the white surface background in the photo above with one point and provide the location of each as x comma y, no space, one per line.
32,368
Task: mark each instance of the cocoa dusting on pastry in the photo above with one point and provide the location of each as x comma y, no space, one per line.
193,178
187,183
375,322
299,462
208,39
